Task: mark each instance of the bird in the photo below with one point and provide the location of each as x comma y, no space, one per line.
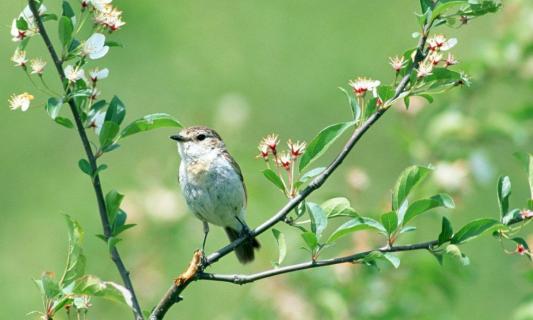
213,186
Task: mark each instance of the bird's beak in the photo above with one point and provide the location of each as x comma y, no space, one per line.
178,138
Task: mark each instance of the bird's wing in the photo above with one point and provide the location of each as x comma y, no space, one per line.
237,169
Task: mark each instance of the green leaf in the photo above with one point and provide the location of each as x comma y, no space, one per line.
65,30
93,286
424,205
114,44
53,106
446,232
67,10
393,259
356,109
425,5
48,17
22,24
356,224
149,122
408,179
454,251
49,287
123,228
319,220
322,142
512,216
65,122
311,174
445,6
108,133
389,220
274,178
474,229
310,240
385,92
504,191
282,245
119,221
85,167
116,111
113,199
338,207
112,242
100,168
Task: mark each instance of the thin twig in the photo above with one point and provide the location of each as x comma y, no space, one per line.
172,295
243,279
115,256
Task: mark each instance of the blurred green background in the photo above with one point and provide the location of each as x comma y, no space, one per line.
249,68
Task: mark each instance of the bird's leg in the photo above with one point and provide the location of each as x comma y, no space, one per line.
206,232
245,229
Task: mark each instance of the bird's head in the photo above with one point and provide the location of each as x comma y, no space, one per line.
197,142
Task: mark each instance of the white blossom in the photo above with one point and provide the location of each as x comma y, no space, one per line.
37,66
95,47
74,74
19,58
97,74
98,121
361,85
21,101
424,69
100,5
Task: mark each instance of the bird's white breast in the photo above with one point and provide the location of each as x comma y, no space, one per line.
213,190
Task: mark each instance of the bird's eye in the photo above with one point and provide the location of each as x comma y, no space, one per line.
200,137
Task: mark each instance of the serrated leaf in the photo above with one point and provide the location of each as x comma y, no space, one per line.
424,205
446,6
504,192
150,122
274,178
409,178
474,229
319,220
446,232
322,142
282,245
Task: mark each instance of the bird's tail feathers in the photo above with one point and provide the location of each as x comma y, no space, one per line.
245,251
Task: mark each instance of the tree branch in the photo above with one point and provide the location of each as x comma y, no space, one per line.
243,279
172,295
115,256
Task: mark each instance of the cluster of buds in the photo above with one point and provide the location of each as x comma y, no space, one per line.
105,15
286,159
436,45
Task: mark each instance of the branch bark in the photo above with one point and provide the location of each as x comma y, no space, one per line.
172,295
97,186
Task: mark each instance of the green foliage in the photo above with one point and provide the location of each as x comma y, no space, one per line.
474,229
424,205
408,179
274,178
65,30
282,246
353,225
150,122
446,232
504,192
75,288
355,107
322,142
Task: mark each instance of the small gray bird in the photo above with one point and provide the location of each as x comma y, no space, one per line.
212,184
